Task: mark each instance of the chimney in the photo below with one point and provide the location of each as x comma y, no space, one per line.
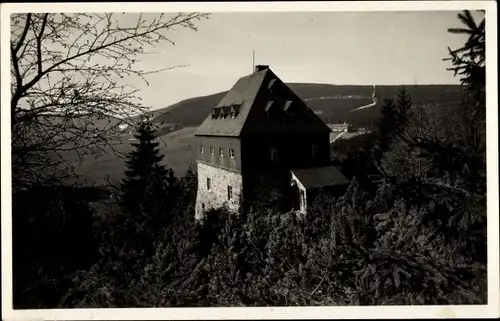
261,67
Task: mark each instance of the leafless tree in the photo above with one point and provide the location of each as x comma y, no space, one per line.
67,86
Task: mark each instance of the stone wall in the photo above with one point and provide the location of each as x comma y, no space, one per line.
217,196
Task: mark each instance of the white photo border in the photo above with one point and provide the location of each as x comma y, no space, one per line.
492,309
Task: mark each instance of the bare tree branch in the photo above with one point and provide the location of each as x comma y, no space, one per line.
39,43
68,94
23,36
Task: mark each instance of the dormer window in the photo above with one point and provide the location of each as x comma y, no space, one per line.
271,83
269,105
225,111
287,105
216,112
235,110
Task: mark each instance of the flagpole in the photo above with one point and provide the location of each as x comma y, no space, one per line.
253,60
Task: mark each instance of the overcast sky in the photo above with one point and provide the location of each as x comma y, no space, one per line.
341,48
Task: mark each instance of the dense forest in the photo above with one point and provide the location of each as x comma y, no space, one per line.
410,228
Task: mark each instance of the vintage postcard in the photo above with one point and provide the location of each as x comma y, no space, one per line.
240,160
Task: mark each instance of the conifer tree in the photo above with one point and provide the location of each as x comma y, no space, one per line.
404,104
469,61
190,181
149,189
385,127
143,164
394,116
146,154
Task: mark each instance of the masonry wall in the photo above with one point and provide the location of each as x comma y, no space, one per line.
217,195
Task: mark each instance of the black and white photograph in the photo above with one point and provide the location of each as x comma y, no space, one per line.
281,155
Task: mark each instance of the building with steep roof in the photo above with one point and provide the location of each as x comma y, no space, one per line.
254,137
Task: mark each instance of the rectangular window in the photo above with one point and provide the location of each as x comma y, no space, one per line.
314,150
221,152
212,150
203,206
231,153
209,183
229,192
273,154
201,149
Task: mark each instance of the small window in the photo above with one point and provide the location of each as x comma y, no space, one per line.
209,183
216,112
314,150
212,150
271,83
201,149
273,154
203,206
229,192
221,152
235,110
231,153
269,105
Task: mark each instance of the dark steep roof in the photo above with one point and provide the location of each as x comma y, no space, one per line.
243,93
320,177
265,106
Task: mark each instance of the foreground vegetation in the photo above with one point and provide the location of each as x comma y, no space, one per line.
410,229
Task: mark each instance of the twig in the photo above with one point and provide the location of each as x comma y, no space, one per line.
317,287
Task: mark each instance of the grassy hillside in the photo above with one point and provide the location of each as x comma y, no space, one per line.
177,147
331,102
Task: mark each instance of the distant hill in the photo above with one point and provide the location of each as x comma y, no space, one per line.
333,103
177,123
178,148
